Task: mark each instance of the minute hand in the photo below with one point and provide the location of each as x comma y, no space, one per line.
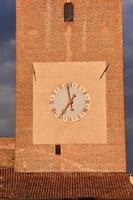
68,92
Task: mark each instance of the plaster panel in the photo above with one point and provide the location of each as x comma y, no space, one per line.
47,129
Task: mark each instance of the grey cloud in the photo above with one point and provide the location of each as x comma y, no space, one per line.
13,43
7,51
7,88
7,127
130,123
7,73
7,94
7,111
128,56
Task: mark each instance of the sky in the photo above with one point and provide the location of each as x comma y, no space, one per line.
7,72
128,74
7,68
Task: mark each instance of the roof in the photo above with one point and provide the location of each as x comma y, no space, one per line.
64,185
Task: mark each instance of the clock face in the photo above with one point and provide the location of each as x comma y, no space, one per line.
69,102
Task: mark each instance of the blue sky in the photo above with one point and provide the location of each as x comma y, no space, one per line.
7,72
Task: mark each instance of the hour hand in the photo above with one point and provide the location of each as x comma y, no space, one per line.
64,110
70,102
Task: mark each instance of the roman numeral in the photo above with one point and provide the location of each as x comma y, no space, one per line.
69,119
79,117
70,84
78,86
53,110
51,102
87,101
60,86
53,93
84,93
85,110
61,117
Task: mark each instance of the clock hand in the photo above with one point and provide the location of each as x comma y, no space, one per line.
64,110
69,103
68,90
72,99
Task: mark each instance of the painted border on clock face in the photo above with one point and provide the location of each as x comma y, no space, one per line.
85,97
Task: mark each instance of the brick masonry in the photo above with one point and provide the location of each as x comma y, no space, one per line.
95,35
7,152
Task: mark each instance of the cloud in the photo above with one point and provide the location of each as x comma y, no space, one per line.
129,123
129,92
13,43
7,73
7,127
128,68
7,110
128,7
129,144
7,98
7,93
7,68
7,51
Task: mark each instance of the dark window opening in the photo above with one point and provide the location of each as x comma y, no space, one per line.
58,149
68,12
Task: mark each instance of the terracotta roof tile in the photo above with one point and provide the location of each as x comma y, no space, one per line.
64,185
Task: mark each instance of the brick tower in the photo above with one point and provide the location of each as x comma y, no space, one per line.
77,44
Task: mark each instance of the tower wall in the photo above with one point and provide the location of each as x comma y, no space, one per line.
43,36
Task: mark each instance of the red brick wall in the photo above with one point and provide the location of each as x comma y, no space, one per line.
95,35
7,152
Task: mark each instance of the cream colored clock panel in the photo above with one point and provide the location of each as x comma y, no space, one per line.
51,129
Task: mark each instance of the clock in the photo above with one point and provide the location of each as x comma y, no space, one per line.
69,102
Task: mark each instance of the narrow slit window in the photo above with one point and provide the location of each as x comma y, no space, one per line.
68,12
58,149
